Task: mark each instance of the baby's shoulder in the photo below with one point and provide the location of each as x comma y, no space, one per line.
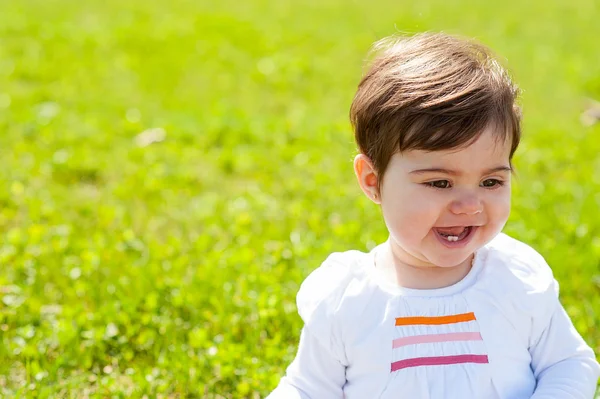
516,267
322,291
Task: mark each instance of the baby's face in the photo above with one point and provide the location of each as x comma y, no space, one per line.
442,206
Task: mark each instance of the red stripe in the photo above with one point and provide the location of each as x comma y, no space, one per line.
438,361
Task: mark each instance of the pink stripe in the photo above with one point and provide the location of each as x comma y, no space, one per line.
438,361
425,339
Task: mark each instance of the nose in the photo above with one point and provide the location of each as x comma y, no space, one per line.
467,203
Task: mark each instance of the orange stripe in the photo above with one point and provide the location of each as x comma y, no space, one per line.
437,320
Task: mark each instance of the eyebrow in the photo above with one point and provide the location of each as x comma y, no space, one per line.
456,173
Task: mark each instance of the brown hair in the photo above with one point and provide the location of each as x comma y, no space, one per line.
431,92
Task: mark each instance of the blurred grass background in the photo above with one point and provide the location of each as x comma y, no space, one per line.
171,171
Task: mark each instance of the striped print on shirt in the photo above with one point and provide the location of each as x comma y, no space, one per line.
434,338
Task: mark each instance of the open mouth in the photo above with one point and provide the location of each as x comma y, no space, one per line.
455,236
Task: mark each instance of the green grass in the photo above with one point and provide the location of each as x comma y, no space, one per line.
170,270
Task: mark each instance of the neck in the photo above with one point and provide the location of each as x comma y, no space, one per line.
420,276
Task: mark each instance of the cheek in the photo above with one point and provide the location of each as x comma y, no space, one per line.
411,212
499,207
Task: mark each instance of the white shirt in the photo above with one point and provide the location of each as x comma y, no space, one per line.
500,333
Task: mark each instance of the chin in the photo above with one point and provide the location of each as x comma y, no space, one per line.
446,261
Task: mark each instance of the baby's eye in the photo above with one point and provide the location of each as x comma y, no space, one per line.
439,184
491,183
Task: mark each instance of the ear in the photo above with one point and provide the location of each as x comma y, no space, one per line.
367,177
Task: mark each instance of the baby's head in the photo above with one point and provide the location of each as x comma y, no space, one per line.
436,123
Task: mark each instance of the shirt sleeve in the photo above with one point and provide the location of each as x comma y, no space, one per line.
314,373
319,369
563,364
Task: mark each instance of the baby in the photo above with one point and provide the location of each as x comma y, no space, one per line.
448,306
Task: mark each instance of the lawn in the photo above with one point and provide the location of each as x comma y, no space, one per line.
171,171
